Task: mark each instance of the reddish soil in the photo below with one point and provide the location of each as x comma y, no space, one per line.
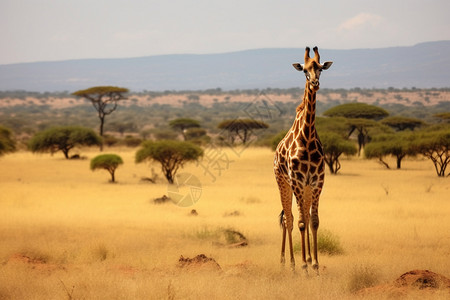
417,282
38,264
199,263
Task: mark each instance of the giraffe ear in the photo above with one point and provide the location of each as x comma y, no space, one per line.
298,67
326,65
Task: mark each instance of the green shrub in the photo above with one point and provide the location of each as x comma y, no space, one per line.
109,162
327,243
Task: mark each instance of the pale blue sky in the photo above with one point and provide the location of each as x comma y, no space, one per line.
47,30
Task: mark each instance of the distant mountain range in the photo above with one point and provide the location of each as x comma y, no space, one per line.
424,65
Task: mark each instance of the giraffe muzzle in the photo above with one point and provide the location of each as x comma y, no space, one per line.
315,84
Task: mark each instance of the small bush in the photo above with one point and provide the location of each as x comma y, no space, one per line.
327,243
109,162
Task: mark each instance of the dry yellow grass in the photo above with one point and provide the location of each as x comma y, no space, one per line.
66,232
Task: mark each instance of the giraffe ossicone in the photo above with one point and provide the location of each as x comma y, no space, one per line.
299,166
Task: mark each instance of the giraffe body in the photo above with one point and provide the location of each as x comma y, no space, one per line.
299,167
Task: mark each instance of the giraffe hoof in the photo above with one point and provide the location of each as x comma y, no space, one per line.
309,261
315,266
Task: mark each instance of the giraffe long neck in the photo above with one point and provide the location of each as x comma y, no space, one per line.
306,114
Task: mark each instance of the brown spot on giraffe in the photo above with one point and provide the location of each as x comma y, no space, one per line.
299,167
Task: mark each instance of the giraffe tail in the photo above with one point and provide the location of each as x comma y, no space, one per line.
281,216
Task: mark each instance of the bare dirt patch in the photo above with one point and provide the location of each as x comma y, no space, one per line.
39,264
413,282
199,263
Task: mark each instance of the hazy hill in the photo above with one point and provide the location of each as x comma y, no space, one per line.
424,65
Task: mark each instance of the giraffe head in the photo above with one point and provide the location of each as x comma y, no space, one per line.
312,68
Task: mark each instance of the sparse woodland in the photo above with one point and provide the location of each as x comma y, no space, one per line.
155,116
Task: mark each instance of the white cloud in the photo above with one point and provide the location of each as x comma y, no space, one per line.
361,21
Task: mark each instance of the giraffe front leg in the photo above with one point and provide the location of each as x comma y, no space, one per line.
291,250
302,227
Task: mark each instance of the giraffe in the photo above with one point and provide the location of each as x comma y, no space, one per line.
299,167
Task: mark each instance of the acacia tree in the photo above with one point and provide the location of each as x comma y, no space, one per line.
104,99
360,117
7,143
334,145
109,162
435,145
63,138
398,145
402,123
357,111
241,128
172,155
182,124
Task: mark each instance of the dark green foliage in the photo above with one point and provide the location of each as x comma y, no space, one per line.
109,162
364,129
182,124
63,139
172,155
434,143
100,90
357,110
358,118
334,145
241,128
338,125
7,143
402,123
197,135
398,144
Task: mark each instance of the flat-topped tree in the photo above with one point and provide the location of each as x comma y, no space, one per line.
104,99
183,124
360,117
64,139
400,123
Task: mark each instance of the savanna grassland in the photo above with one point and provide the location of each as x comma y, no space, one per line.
67,233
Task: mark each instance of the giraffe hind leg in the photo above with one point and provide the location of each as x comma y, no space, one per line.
283,240
286,218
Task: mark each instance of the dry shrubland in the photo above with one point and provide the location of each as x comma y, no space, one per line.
67,234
